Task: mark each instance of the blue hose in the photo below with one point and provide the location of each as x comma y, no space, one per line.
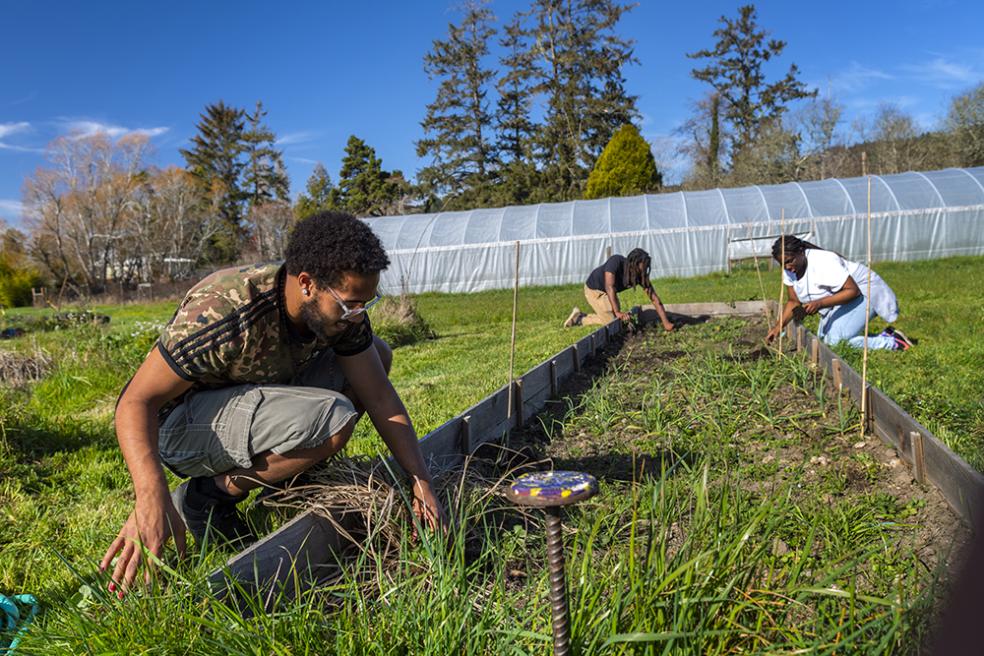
12,619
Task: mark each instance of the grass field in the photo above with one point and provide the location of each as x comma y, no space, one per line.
64,490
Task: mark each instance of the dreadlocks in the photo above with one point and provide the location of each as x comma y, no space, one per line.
636,257
793,246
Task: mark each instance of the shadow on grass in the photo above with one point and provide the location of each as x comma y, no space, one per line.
35,437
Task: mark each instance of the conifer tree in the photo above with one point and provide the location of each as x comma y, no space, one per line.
215,160
626,167
579,64
321,194
364,188
264,175
735,72
455,126
516,132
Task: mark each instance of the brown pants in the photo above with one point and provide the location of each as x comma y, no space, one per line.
602,306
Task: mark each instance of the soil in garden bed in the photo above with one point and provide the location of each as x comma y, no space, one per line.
807,442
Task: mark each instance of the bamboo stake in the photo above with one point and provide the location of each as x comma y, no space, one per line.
867,313
768,314
782,269
512,344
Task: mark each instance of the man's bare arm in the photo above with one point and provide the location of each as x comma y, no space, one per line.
658,304
154,518
365,373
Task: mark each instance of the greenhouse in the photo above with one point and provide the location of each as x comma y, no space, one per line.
913,216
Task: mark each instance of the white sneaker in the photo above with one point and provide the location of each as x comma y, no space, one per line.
574,319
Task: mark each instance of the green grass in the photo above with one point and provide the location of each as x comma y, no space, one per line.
64,489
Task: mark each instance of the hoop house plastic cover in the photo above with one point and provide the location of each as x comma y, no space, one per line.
913,216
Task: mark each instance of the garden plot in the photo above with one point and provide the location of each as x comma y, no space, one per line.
739,511
788,524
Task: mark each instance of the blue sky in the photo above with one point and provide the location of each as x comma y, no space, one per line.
328,69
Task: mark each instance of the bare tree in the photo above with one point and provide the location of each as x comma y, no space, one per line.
965,121
172,225
820,138
80,208
773,157
269,225
892,140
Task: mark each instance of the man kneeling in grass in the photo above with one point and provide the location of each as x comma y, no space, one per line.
262,373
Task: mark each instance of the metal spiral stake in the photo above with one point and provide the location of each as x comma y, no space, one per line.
551,490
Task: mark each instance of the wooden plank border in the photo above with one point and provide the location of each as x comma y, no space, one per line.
932,461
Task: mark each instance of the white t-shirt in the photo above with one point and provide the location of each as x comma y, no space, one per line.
825,275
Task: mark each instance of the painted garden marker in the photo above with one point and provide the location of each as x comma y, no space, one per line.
550,490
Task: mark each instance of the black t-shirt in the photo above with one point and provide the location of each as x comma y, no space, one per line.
614,265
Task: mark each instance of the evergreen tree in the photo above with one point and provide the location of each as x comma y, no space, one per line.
580,61
321,194
515,128
215,161
626,167
264,175
735,72
516,132
703,143
609,105
456,139
364,188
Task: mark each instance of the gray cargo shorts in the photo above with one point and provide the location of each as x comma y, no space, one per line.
215,431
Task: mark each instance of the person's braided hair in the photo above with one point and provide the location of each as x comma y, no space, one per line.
793,246
636,257
327,245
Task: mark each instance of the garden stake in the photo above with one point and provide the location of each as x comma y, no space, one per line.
782,268
867,312
512,341
551,490
768,314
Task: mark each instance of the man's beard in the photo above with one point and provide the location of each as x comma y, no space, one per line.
322,327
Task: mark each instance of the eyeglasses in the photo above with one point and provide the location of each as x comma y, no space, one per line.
347,312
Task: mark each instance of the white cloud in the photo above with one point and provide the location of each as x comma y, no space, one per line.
20,149
13,128
304,160
83,129
944,73
150,133
8,129
295,138
854,78
10,208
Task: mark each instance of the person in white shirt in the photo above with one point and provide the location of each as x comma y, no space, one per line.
821,281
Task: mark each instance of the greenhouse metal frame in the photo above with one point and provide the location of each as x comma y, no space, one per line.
914,215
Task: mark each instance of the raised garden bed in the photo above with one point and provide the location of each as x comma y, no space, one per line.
821,523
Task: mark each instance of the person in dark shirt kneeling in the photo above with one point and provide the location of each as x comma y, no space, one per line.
601,290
